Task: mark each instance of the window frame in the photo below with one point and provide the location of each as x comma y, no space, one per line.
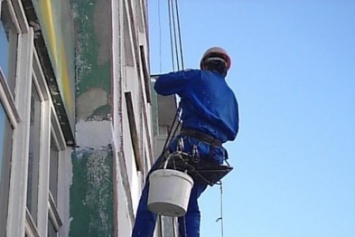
5,168
11,111
13,57
35,150
133,130
60,144
29,74
30,226
8,101
18,179
127,32
44,141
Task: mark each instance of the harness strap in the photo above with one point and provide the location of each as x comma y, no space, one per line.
202,171
201,136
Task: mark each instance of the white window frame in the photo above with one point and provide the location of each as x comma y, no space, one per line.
30,226
18,109
60,210
127,33
18,178
9,105
60,144
11,118
8,101
44,149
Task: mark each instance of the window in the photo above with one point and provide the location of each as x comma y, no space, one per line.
146,75
52,232
8,44
54,221
32,144
133,130
53,173
9,116
127,38
33,156
5,155
3,120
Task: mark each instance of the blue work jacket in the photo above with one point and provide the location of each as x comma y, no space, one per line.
207,102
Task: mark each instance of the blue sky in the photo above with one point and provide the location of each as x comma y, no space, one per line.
293,72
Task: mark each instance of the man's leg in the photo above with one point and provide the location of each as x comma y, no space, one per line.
145,220
189,225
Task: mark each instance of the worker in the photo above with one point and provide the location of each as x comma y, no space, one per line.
209,119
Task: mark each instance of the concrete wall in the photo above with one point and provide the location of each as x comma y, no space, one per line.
114,146
91,192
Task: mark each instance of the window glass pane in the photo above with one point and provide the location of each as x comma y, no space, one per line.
53,179
33,156
51,230
8,45
127,40
3,120
4,48
5,159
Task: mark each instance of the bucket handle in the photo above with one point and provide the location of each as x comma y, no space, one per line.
169,157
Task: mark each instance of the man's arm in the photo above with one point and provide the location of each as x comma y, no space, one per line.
174,82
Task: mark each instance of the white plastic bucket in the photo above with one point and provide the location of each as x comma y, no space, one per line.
169,192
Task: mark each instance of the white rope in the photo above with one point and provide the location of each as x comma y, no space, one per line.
220,219
160,41
175,35
176,57
179,33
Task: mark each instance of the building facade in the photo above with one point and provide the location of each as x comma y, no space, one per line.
80,125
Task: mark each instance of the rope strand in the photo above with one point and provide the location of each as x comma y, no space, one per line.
179,32
175,35
177,59
171,35
160,41
220,219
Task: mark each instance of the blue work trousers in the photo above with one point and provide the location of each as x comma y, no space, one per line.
189,225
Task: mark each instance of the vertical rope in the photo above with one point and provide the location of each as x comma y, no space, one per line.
179,31
220,219
160,41
171,35
175,37
176,51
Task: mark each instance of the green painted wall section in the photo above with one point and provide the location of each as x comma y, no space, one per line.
93,37
91,194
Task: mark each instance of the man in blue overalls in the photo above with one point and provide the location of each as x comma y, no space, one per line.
209,119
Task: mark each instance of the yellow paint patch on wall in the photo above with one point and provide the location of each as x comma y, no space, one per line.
47,13
51,23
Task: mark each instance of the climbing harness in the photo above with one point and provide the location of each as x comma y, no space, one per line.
200,170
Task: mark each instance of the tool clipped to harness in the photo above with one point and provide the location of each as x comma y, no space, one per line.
195,154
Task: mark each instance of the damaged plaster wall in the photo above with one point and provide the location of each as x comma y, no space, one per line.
91,192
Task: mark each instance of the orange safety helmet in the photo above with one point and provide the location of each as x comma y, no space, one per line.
216,52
